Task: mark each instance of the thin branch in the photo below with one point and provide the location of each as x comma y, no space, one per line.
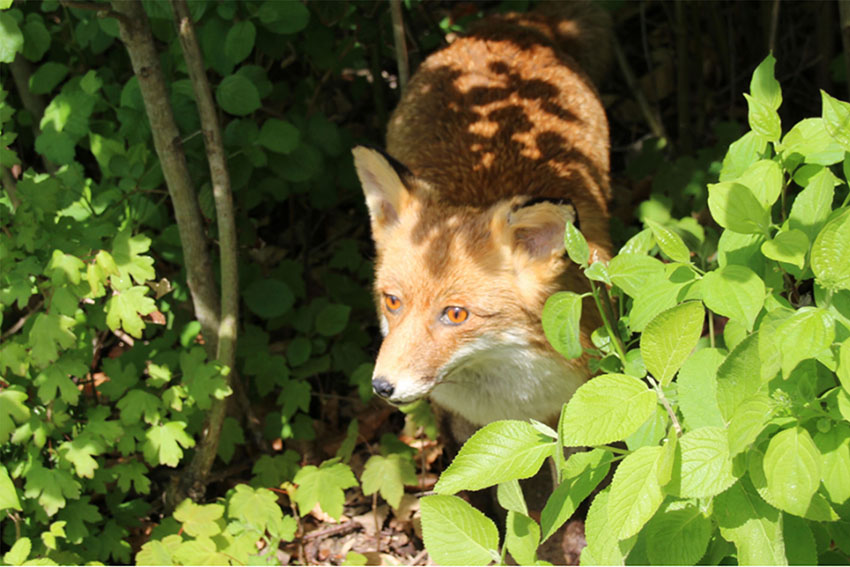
229,312
654,124
844,26
11,187
400,45
21,73
660,393
774,24
136,35
20,322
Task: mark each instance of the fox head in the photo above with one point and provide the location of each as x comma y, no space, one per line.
459,288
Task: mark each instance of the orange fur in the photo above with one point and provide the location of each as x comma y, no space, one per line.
490,122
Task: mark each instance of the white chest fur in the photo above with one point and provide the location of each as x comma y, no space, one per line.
503,377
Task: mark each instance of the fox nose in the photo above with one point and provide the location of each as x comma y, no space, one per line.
382,387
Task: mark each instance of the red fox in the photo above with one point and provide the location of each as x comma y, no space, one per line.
499,140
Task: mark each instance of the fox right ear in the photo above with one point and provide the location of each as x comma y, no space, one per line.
383,185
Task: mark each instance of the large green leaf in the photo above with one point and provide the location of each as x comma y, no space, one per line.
603,545
706,465
813,205
455,533
678,534
836,118
324,485
807,333
498,452
583,473
388,475
669,339
576,245
631,272
792,467
735,292
240,40
788,246
669,242
561,323
752,525
763,84
635,492
698,388
830,252
237,95
607,408
522,536
735,207
11,38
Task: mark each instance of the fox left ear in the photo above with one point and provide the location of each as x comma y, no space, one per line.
383,184
538,226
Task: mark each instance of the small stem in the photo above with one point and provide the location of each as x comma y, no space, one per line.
615,450
711,328
657,387
377,527
615,338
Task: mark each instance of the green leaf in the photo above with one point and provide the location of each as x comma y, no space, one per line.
19,551
635,492
455,533
159,552
11,38
80,452
763,120
631,272
200,551
830,252
576,245
602,541
843,370
764,180
163,442
809,139
522,536
678,535
509,496
792,468
698,388
764,86
834,447
268,298
583,473
50,333
561,323
748,421
608,408
124,310
324,485
388,475
669,242
240,41
332,319
806,334
128,260
279,136
47,77
498,452
836,118
36,39
255,507
56,378
752,525
669,339
237,95
706,465
736,380
284,17
735,292
598,272
735,207
13,408
8,493
52,487
199,520
741,155
788,246
813,205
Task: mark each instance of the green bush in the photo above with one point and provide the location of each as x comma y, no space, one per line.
725,384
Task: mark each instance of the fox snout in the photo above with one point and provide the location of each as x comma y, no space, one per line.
382,387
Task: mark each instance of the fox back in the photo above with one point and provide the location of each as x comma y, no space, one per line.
499,140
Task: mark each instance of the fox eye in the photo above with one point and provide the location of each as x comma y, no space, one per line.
455,315
392,302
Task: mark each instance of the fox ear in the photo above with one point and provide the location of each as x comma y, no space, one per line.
383,185
537,227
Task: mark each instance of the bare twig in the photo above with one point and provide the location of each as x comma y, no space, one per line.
844,16
199,469
136,35
332,530
20,322
10,186
400,45
21,73
774,24
660,393
654,124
